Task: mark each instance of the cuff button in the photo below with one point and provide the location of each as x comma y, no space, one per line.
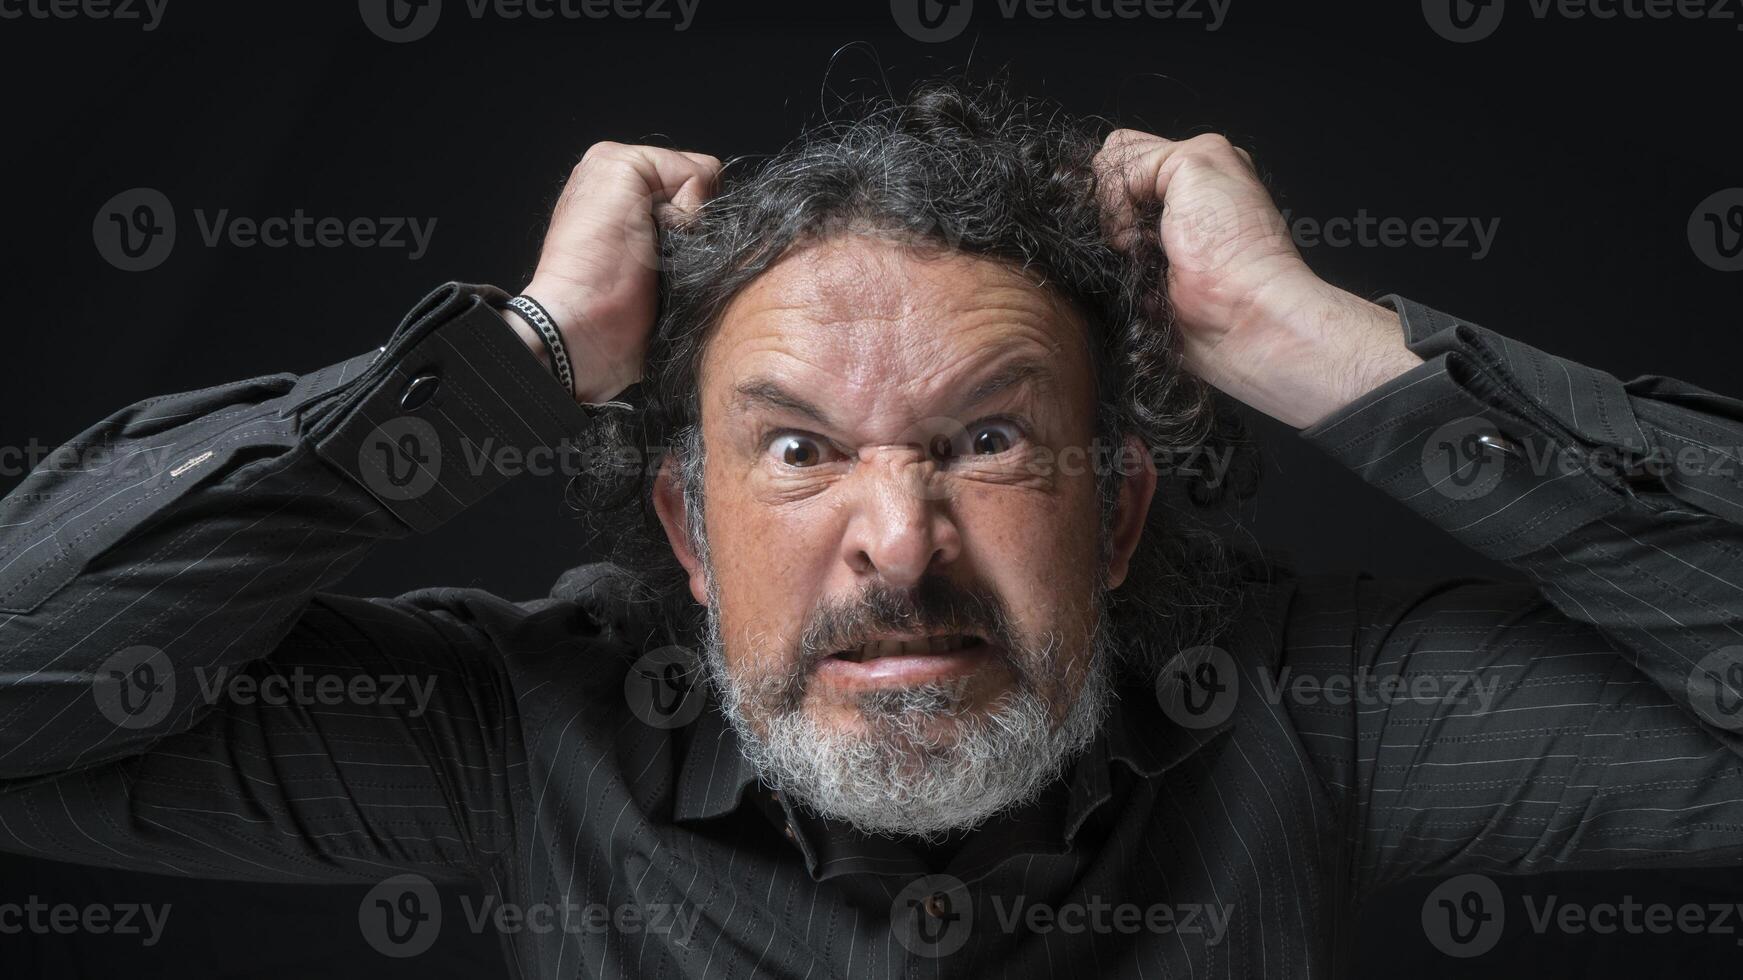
419,391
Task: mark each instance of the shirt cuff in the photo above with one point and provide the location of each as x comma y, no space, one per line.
452,396
1490,439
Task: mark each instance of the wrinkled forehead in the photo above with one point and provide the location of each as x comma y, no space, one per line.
880,328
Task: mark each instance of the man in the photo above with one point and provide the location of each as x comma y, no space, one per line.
979,697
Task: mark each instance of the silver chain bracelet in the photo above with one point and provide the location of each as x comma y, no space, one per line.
535,314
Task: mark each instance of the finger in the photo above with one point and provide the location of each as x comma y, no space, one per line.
1126,156
1127,169
702,159
681,180
698,190
1143,165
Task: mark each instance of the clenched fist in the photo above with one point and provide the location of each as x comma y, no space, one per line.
1256,322
598,271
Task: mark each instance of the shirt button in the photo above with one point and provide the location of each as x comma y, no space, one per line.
937,905
1495,442
418,391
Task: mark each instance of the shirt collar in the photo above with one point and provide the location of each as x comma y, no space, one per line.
715,773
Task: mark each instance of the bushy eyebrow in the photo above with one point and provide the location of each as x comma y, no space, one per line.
767,393
1018,372
764,392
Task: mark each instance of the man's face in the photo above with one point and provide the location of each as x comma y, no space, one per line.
897,553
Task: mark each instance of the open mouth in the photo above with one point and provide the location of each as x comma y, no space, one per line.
940,644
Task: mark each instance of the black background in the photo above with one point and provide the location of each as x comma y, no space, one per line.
1590,141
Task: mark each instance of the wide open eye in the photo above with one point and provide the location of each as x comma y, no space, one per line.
798,450
988,437
992,438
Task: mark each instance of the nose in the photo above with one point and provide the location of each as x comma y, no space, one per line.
901,527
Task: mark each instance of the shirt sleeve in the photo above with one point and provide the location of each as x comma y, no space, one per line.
1589,717
177,694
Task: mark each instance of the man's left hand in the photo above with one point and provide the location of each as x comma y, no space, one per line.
1256,322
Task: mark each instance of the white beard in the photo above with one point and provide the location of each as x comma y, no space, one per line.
898,776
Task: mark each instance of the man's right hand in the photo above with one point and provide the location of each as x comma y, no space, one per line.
598,270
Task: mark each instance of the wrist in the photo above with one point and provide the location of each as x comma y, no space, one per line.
591,366
1309,348
1348,346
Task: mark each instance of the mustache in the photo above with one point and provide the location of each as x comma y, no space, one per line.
935,604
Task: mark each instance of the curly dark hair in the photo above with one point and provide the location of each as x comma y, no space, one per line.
956,166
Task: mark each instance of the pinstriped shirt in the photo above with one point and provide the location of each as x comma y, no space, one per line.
180,694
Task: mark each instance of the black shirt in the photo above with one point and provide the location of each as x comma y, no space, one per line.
178,694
